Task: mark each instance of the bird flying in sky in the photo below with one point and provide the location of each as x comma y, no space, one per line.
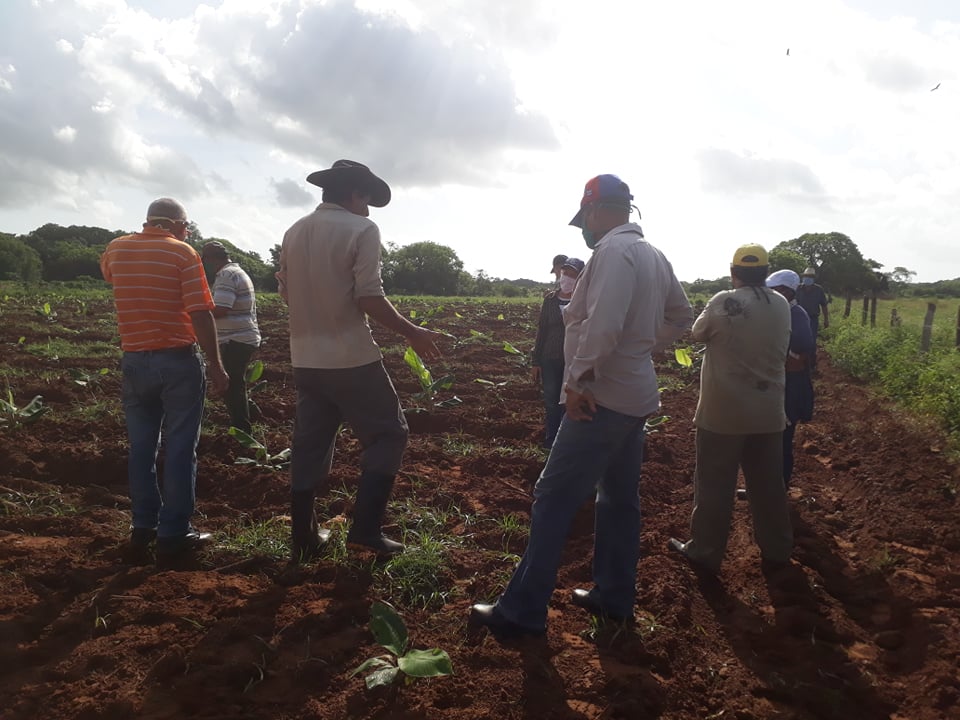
788,51
934,88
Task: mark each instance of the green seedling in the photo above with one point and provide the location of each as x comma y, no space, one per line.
490,383
262,457
253,378
88,379
47,312
390,632
428,386
684,357
651,425
13,416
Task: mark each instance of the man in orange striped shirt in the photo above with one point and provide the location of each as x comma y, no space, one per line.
163,310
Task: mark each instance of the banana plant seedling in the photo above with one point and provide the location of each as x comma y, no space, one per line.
262,457
390,632
11,415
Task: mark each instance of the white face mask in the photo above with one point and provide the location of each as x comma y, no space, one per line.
567,284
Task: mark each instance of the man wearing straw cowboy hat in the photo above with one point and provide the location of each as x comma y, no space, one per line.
330,277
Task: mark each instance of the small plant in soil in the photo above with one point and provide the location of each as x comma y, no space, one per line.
253,378
262,457
11,415
429,388
390,632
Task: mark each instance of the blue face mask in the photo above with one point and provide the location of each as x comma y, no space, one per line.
808,281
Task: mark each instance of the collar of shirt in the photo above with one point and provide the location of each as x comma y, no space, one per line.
154,231
625,228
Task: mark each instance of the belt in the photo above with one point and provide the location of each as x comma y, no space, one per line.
181,350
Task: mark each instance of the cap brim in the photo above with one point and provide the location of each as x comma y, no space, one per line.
577,219
331,177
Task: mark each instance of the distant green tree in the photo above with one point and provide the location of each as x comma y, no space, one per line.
18,261
841,267
69,251
423,268
783,259
706,287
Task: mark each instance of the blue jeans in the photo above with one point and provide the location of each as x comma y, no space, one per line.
602,456
163,390
551,376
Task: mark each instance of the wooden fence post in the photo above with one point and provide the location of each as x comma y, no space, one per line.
927,328
866,309
846,309
894,318
873,310
958,329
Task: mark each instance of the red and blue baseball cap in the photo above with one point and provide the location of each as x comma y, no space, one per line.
603,188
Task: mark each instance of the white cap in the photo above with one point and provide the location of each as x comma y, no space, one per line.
810,271
785,278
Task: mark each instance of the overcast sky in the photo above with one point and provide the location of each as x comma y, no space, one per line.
487,118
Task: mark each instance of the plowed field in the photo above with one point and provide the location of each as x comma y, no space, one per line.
863,625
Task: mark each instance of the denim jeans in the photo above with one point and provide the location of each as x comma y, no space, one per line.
236,356
551,376
362,396
163,390
602,456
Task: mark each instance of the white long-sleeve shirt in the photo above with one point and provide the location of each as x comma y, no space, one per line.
628,303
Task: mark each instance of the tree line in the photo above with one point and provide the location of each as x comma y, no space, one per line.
56,253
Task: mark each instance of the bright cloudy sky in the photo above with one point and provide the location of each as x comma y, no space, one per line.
486,118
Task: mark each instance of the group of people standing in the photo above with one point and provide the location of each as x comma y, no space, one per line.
615,310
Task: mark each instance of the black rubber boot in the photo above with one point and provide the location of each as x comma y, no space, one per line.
306,538
373,494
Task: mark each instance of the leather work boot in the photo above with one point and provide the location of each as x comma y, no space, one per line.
373,494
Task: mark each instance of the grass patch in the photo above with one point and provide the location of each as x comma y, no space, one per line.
269,537
47,503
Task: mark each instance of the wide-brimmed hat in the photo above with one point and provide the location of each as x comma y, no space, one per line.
350,173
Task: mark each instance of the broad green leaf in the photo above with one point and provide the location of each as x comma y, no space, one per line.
511,349
458,314
253,372
282,456
450,402
380,678
248,441
654,422
46,308
500,316
491,383
388,628
419,369
377,662
413,314
477,333
426,663
683,357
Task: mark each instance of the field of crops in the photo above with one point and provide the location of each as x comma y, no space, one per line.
864,624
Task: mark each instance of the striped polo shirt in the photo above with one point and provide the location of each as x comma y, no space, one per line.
157,282
233,289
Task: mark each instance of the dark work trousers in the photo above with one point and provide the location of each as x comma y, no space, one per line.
236,357
551,376
365,398
788,433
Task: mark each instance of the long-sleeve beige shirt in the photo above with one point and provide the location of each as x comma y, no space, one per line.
628,303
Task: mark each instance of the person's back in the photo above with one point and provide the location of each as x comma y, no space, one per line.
628,273
157,281
747,332
232,285
331,258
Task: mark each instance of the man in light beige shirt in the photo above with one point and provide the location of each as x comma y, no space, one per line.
330,277
627,304
740,417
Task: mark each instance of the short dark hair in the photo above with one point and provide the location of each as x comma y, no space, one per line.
755,276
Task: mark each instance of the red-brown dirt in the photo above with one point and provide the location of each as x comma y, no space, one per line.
863,625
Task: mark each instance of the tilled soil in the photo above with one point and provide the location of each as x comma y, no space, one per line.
864,624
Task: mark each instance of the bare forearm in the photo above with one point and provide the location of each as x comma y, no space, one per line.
206,331
382,310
